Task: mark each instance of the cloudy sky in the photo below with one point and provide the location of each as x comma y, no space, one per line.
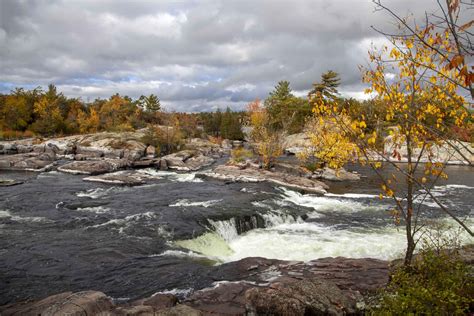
195,55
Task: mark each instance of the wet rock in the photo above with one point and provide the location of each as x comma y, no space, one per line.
179,310
225,298
94,167
250,174
186,160
30,161
140,310
145,163
335,175
74,304
299,297
158,301
198,162
163,164
9,182
121,178
81,303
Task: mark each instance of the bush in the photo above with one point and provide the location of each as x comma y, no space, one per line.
241,154
437,283
12,135
165,141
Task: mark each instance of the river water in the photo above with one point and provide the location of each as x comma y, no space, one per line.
59,233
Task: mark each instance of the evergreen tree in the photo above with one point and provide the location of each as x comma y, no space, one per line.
152,103
328,86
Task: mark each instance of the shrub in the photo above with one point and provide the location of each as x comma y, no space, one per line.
437,283
241,154
165,141
12,135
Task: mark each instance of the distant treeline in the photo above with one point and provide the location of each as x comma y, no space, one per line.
24,113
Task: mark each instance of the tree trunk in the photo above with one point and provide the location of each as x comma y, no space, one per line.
409,213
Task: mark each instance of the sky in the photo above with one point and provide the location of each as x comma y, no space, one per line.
195,55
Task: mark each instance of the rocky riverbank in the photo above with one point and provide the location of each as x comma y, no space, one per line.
102,153
114,157
256,286
251,286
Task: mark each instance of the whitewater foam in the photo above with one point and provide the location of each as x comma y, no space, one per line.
325,203
186,202
100,192
15,218
94,209
180,254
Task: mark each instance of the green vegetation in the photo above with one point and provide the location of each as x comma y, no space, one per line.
24,113
437,283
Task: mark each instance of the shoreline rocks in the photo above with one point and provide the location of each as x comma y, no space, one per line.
251,286
94,167
251,174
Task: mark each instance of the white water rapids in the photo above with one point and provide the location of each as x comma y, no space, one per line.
287,237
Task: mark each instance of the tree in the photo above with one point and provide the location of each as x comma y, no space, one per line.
446,34
327,88
230,126
286,112
88,123
423,106
49,119
15,113
267,141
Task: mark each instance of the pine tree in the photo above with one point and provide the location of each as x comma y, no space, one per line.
328,86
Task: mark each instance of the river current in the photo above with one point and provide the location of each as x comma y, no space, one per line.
59,233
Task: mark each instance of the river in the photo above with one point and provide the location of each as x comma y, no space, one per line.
59,233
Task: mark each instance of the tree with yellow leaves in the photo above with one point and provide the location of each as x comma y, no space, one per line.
423,104
267,141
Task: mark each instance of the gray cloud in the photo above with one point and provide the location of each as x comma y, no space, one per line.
195,55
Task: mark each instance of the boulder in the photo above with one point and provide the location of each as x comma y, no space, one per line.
140,310
225,298
91,152
30,161
179,310
128,177
186,160
112,153
158,301
74,304
335,175
311,296
93,167
251,174
163,164
295,143
150,151
145,163
226,144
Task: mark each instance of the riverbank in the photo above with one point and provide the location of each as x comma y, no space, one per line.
257,286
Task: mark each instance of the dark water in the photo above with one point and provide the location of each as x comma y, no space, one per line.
59,233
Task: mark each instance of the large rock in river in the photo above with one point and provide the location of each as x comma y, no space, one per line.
93,167
33,161
251,174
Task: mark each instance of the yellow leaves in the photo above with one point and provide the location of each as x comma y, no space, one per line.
362,124
371,140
